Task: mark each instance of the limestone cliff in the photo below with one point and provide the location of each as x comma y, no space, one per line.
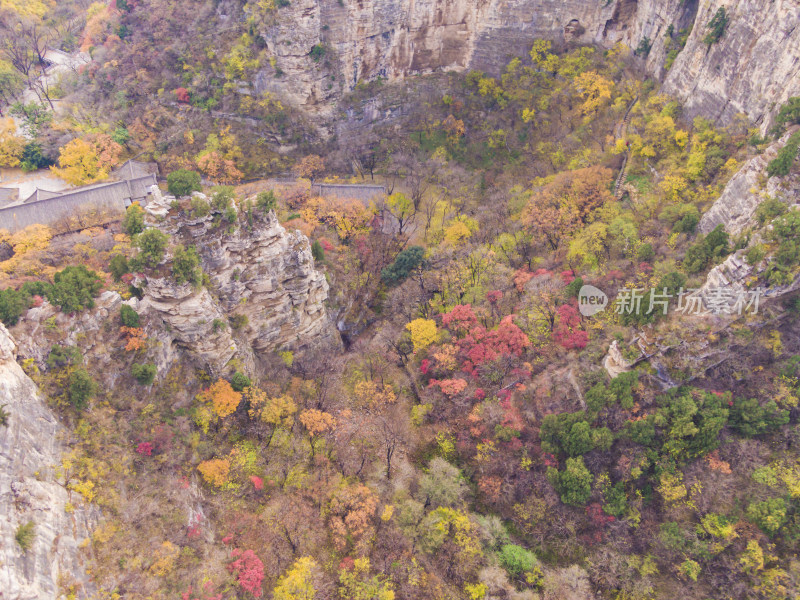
753,68
396,38
31,447
736,207
262,280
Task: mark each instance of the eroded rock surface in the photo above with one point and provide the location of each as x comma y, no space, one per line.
31,447
735,209
752,69
326,47
265,293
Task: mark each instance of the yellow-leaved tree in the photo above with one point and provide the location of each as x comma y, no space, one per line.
298,582
357,584
215,471
28,8
28,245
11,145
84,161
423,333
277,412
595,91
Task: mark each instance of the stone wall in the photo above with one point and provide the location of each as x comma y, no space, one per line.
364,193
108,199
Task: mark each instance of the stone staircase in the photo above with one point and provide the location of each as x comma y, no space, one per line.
623,131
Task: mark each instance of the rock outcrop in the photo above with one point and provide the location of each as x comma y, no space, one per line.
264,293
736,207
31,448
614,363
729,274
194,320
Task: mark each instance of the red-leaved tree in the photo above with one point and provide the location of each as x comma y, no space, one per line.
249,571
567,331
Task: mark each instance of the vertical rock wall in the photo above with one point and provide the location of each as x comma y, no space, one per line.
752,69
31,448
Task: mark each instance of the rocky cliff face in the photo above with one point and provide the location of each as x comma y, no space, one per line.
736,207
30,449
262,279
397,38
755,65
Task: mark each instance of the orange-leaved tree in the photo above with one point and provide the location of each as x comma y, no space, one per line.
215,471
222,398
316,422
216,402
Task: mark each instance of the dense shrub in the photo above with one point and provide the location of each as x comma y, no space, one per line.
749,418
183,182
645,253
33,159
266,201
406,261
199,208
230,214
186,266
238,321
573,288
12,304
81,388
687,223
755,254
222,197
317,251
692,422
616,502
133,222
118,266
25,535
63,356
74,288
239,381
151,244
574,483
781,165
707,250
144,373
769,515
769,209
128,316
789,114
517,560
716,27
